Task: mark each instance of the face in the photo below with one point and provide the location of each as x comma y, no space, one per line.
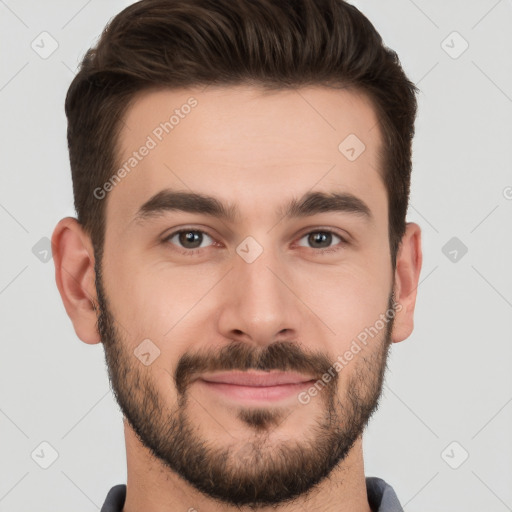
281,276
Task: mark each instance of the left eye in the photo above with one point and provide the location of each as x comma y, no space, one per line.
324,237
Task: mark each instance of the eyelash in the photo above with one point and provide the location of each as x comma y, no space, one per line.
191,252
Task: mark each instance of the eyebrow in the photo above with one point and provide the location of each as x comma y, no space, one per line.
309,204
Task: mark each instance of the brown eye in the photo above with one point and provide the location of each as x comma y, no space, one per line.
322,240
188,239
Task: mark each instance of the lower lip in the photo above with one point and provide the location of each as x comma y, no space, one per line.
256,393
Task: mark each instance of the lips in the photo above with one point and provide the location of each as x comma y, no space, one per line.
262,388
257,379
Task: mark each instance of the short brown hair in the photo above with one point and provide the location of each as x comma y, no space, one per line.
275,44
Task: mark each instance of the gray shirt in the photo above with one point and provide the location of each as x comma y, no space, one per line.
381,497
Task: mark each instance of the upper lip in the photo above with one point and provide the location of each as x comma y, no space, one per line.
256,379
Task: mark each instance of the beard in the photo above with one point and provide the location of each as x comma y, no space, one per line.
256,471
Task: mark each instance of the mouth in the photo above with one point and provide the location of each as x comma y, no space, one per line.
253,386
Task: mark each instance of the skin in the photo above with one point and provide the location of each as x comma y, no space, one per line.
256,150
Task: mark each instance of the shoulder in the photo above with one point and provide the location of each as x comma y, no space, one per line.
114,501
381,496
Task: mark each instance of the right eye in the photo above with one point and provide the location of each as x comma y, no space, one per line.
188,241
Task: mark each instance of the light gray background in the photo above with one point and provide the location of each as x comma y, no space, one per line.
450,381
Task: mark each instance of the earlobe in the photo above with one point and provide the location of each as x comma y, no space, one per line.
407,273
73,256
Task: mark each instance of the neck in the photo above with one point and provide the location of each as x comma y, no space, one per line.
152,486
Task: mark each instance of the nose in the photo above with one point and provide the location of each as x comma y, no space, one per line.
258,302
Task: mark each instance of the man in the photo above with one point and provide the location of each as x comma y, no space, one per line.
274,137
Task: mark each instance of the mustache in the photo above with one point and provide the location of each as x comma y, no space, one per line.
282,355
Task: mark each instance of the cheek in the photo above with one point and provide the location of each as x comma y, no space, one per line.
151,295
348,299
162,304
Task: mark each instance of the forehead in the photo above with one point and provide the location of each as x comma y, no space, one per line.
246,145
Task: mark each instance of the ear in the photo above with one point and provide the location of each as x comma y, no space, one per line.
407,273
73,256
